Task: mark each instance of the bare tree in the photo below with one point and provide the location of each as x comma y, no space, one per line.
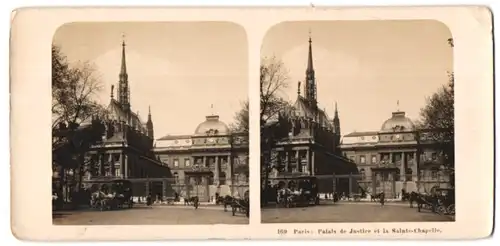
273,79
241,119
73,98
73,103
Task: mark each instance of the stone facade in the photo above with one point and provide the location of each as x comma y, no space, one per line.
396,157
212,160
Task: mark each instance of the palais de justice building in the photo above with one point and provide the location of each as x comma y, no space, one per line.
211,160
396,157
312,147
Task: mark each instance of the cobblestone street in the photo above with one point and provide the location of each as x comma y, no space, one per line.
349,212
156,215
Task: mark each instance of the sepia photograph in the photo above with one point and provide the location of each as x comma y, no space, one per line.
150,123
348,123
357,122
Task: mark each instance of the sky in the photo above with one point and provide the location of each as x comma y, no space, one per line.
179,69
365,66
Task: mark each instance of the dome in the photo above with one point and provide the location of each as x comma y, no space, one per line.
398,122
212,125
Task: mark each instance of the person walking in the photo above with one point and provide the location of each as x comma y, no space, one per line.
382,198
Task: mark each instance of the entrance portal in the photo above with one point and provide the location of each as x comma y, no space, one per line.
384,180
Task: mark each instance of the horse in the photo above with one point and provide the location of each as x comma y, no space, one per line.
102,201
225,201
374,197
238,204
283,197
192,200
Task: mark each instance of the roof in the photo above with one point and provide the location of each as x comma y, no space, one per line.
398,122
212,126
304,108
118,113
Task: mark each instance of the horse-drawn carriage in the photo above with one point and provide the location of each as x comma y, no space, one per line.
440,200
445,200
110,194
294,191
241,205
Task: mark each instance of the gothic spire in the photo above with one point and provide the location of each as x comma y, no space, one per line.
336,111
310,67
298,88
123,69
149,125
310,87
123,86
149,114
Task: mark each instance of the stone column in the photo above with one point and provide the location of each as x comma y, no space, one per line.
204,161
390,158
101,164
229,175
216,174
297,158
394,192
308,156
111,161
374,183
122,164
415,170
287,161
312,165
125,169
402,170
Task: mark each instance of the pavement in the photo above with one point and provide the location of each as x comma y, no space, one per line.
351,212
155,215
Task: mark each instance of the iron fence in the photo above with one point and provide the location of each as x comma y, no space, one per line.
164,189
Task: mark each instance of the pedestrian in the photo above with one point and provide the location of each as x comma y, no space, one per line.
382,198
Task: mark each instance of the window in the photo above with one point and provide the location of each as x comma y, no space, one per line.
187,162
362,159
117,172
304,168
374,159
176,162
363,174
409,174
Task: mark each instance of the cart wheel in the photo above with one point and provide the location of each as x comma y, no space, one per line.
441,210
451,209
